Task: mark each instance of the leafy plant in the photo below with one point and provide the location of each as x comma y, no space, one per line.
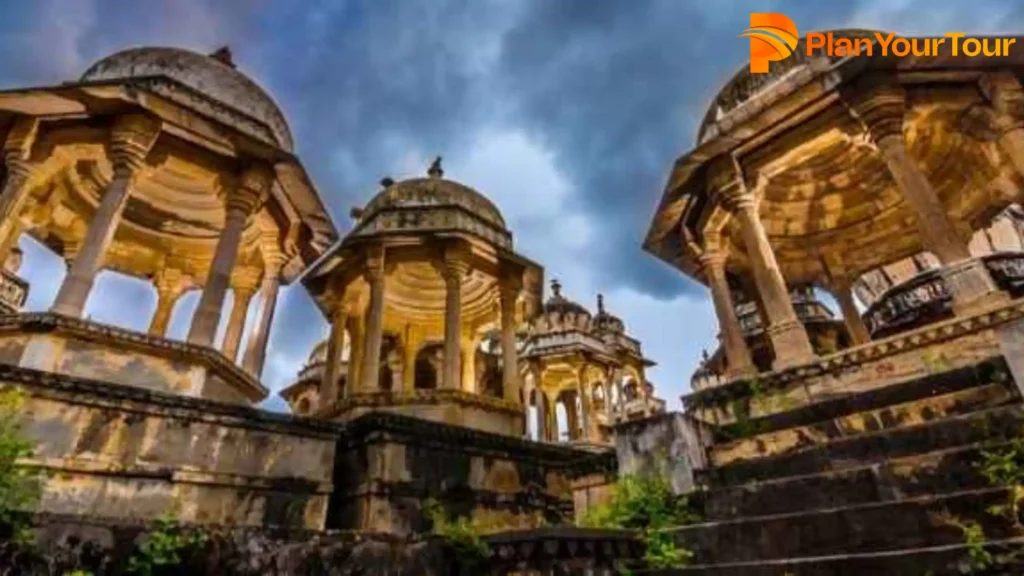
460,534
164,547
646,503
20,487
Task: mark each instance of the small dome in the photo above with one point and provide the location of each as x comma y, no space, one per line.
560,305
433,191
318,354
605,321
214,76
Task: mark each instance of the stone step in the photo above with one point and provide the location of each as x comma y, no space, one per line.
937,472
908,413
914,523
1005,422
946,560
993,370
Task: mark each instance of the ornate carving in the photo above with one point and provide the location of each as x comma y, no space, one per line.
880,105
130,141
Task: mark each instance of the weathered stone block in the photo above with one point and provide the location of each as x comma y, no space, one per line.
672,444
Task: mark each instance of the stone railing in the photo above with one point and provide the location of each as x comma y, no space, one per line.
924,298
13,292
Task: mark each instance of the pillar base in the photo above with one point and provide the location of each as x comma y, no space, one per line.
971,286
790,344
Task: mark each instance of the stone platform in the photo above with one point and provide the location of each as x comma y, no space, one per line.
75,347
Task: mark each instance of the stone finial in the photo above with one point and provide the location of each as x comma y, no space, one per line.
704,355
223,55
435,170
356,213
600,303
556,288
387,181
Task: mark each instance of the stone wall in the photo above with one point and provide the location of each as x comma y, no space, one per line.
114,450
388,465
670,445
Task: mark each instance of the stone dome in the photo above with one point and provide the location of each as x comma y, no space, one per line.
745,86
214,76
605,320
560,305
433,191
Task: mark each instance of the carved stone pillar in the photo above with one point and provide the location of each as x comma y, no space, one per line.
583,390
467,350
132,138
242,202
170,284
785,332
542,413
357,330
454,268
332,363
16,150
881,108
236,320
843,294
508,292
553,433
1003,119
256,349
620,392
737,354
410,348
370,373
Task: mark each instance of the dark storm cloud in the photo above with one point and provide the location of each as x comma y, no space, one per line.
618,88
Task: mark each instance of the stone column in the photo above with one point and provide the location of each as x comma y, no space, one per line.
242,202
467,355
332,363
620,392
357,330
881,108
508,292
453,269
851,316
737,353
374,275
132,138
1002,119
785,332
256,348
16,150
583,390
542,413
410,348
236,320
169,284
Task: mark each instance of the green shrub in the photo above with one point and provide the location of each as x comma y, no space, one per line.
20,487
461,535
165,547
647,504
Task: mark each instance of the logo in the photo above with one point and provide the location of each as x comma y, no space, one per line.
773,37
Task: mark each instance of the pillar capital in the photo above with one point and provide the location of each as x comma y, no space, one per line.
251,189
454,266
130,141
713,260
725,179
20,138
373,267
1004,92
880,105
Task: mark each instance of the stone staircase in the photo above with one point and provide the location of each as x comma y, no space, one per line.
878,482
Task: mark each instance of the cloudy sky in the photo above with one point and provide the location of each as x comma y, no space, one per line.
566,113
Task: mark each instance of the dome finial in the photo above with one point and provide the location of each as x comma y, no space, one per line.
600,303
556,288
223,55
435,170
387,181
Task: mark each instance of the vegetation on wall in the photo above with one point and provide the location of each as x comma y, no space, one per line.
165,547
646,504
461,535
20,487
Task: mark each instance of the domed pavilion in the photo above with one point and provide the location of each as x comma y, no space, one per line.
825,170
425,284
169,166
585,366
